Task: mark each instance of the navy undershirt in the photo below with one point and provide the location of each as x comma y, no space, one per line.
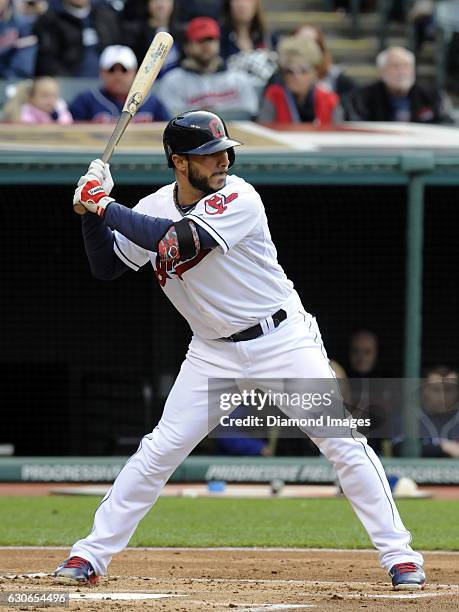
143,230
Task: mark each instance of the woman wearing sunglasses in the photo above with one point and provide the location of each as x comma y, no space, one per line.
295,96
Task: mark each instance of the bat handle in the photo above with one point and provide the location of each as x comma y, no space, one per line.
105,157
119,130
79,209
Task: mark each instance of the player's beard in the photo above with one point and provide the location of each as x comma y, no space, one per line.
201,182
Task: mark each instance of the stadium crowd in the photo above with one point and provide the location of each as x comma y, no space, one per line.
224,59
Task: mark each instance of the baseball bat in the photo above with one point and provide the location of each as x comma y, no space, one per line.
143,81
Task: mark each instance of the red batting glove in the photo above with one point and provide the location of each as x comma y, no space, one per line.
91,195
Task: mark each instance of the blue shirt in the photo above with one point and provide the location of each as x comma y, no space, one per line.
400,108
98,106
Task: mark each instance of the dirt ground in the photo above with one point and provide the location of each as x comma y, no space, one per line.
250,580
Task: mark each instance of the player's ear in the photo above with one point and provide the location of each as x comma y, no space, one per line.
180,162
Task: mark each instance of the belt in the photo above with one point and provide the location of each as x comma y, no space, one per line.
259,329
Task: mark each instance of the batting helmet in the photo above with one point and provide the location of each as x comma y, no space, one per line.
198,133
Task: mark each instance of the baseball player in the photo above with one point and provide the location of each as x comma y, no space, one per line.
207,238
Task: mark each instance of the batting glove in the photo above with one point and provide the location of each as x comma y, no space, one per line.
91,194
101,172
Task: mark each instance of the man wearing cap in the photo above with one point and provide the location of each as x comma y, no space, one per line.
203,81
117,69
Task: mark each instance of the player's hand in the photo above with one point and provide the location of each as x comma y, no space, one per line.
101,172
91,194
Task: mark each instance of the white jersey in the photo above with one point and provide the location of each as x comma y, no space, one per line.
226,289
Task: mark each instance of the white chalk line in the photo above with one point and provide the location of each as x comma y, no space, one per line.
233,549
264,607
119,596
16,576
399,596
449,589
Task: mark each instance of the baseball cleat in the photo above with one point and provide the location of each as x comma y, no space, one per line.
407,577
76,569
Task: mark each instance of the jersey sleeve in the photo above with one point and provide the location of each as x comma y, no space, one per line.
229,215
130,253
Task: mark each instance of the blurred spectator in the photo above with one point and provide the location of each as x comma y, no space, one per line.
329,74
18,46
341,375
186,10
259,65
438,414
72,36
30,10
118,66
37,101
202,79
364,355
421,15
246,43
369,395
242,440
396,96
244,446
297,97
157,17
447,21
244,28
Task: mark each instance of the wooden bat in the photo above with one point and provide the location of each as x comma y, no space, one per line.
143,81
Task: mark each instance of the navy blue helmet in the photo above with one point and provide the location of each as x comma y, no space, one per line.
198,133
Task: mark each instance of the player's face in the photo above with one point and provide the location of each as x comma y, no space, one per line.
207,173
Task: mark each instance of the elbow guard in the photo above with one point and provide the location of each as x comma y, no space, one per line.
180,243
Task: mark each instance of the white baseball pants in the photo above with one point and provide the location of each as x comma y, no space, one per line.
293,350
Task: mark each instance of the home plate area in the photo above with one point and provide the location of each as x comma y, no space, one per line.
250,580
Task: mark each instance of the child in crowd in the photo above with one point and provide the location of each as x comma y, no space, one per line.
37,101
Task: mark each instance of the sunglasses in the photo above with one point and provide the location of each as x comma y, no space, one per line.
117,68
297,70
